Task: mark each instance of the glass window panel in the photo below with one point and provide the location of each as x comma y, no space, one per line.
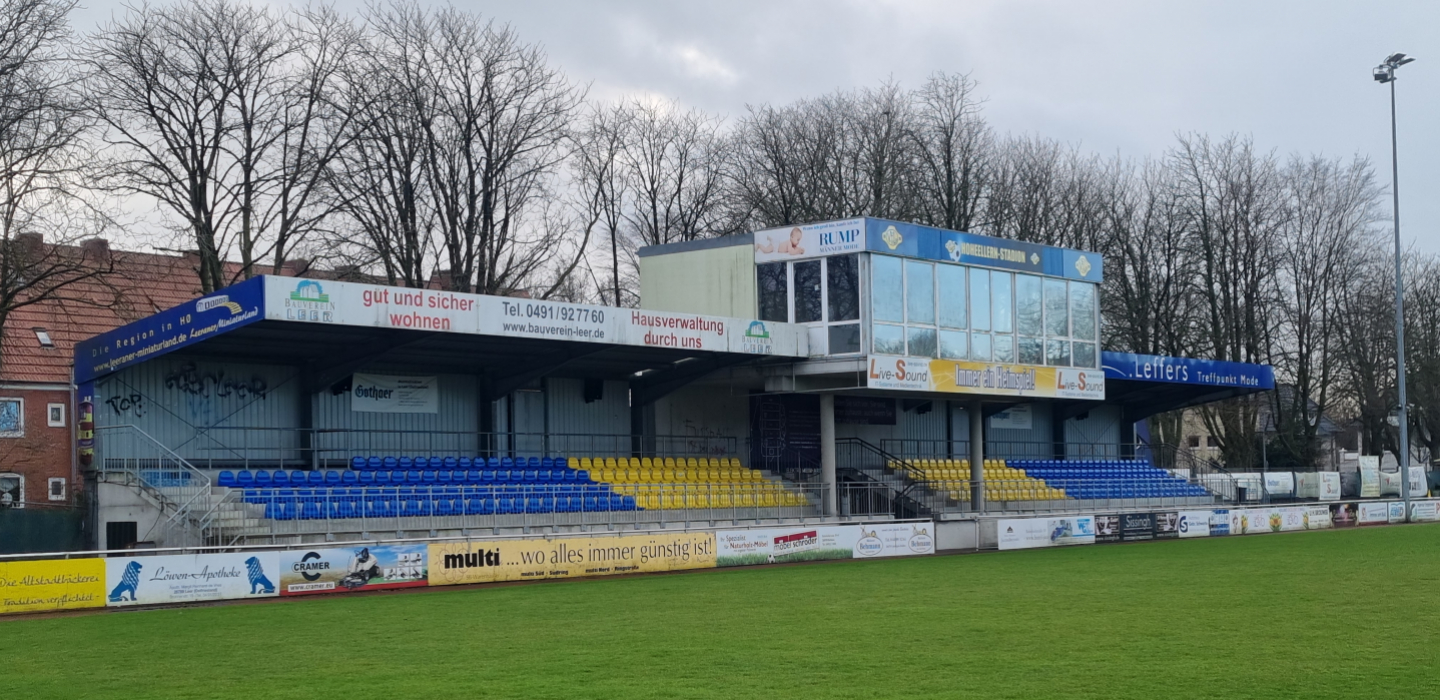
774,297
1032,351
1084,355
979,300
1057,353
980,347
887,289
1004,348
1057,317
1000,300
844,338
1028,309
922,342
1082,311
951,279
842,281
887,340
807,291
919,292
955,345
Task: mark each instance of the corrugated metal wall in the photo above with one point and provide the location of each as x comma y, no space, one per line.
1098,435
1036,443
708,415
452,430
198,409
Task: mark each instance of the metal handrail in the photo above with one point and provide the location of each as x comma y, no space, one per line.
201,482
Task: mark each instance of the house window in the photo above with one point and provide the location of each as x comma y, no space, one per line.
55,415
12,491
12,417
1193,440
42,336
1212,441
57,488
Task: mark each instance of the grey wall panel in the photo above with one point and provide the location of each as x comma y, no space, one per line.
1036,443
204,411
1098,435
577,428
450,431
704,419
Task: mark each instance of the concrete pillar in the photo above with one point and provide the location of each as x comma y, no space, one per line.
977,454
827,451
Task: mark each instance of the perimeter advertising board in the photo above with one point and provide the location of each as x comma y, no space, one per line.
1317,517
1219,523
190,578
376,306
1030,533
1372,513
57,584
453,563
1195,523
993,379
1167,525
1137,526
1107,528
813,543
1424,511
310,571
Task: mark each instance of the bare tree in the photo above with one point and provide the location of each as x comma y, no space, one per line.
673,162
954,149
43,152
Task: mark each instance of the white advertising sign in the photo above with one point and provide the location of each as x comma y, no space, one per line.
1329,486
1369,476
382,393
1013,418
377,306
1292,518
1389,483
1195,523
895,539
810,240
190,578
1419,488
774,545
1317,518
1396,512
1280,483
1030,533
1424,511
1307,485
1373,513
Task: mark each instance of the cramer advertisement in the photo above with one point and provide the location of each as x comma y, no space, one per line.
779,545
190,578
953,377
309,571
433,310
1045,532
524,560
58,584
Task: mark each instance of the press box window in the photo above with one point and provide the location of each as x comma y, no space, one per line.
774,292
807,291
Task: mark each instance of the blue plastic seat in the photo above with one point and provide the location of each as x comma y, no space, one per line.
492,463
374,462
357,462
244,478
531,477
444,506
427,477
225,478
389,462
532,463
352,478
404,463
472,477
449,463
331,477
411,477
582,476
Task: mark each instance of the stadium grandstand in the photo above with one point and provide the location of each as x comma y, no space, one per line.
852,370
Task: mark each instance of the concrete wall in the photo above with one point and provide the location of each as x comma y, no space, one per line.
717,281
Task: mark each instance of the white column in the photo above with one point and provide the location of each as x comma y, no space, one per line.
827,451
977,454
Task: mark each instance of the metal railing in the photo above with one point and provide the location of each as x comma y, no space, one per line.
182,492
251,448
263,513
1036,495
1161,455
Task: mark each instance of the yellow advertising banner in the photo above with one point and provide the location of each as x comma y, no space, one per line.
51,584
995,379
523,560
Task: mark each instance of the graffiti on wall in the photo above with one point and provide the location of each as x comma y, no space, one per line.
214,383
133,404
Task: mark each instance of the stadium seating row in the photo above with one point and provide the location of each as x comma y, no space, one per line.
1134,478
678,475
402,507
404,463
336,477
653,462
1002,482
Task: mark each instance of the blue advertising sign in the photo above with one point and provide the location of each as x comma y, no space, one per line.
233,307
916,241
1183,370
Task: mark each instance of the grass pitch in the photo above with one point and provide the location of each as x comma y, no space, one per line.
1339,614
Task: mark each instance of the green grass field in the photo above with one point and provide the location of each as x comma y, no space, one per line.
1339,614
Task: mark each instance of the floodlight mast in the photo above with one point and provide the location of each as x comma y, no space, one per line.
1385,73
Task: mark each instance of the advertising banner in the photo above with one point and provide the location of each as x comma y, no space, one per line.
1254,521
1219,523
1137,526
779,545
304,572
1419,487
1390,483
1107,528
190,578
53,584
1194,523
1371,513
1424,511
1292,518
1307,485
453,563
1184,370
1329,486
1396,512
1030,533
995,379
383,393
1167,525
1343,515
1317,518
1280,484
377,306
810,241
1369,476
895,540
1016,417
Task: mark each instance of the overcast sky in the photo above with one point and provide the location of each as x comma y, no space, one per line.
1113,76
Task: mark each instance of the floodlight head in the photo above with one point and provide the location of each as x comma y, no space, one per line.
1384,73
1395,58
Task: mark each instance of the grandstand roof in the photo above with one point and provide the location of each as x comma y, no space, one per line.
1149,384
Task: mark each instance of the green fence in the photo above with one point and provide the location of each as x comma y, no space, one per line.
30,530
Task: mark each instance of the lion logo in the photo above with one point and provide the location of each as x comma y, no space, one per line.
258,582
128,581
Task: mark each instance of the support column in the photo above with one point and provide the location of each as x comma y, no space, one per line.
976,410
827,451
